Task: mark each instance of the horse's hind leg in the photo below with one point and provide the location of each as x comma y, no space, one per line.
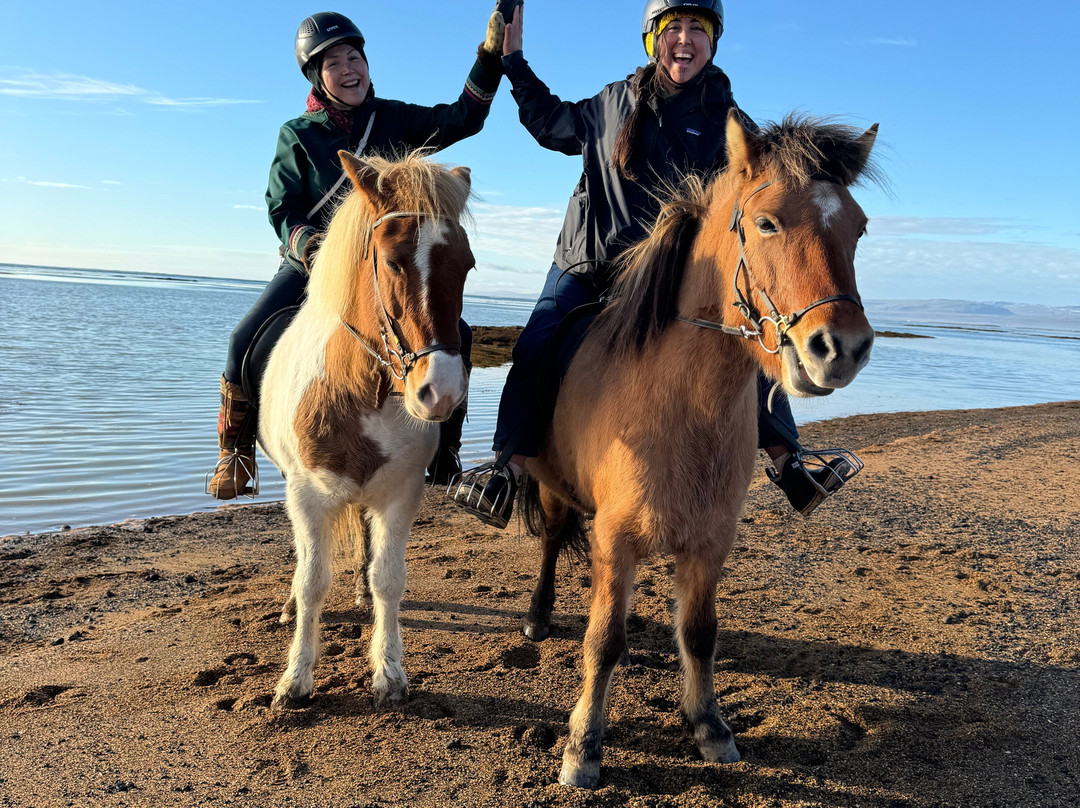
312,536
362,557
537,625
695,592
605,640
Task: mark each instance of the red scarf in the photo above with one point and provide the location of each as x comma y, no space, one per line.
338,116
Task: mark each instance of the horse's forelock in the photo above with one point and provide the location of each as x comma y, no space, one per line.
408,183
801,148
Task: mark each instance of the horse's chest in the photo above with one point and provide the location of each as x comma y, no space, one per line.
357,443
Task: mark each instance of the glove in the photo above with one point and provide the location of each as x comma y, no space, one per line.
506,8
493,42
310,249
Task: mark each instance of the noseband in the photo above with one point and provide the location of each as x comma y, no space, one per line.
399,359
780,322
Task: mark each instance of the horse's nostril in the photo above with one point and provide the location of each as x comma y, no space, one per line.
424,393
863,349
819,346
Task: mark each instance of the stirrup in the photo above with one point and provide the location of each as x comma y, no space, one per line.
487,492
251,487
822,468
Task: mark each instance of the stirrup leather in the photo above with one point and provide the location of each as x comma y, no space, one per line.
474,492
236,461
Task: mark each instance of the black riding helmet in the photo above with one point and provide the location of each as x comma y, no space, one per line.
655,9
317,34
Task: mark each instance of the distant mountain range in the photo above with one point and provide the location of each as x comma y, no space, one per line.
1050,318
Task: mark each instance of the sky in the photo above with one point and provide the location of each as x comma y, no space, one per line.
137,136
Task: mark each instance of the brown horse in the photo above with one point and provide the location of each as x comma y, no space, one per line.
654,431
349,410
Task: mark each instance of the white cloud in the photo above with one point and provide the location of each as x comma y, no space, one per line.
250,207
46,184
67,87
895,42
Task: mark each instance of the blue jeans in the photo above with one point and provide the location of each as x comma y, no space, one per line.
522,424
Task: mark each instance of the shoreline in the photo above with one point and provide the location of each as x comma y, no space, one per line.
841,431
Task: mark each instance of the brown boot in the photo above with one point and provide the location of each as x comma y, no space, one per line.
235,473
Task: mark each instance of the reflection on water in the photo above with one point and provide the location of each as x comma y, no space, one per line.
109,390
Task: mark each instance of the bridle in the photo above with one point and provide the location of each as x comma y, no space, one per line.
399,359
780,322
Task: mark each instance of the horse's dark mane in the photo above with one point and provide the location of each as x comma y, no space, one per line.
801,147
646,288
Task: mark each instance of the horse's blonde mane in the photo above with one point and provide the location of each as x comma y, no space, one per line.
406,182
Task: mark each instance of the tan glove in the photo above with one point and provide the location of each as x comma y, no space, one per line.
493,43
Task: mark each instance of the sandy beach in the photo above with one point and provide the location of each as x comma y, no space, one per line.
915,643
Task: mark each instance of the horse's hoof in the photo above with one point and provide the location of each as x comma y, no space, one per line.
283,702
722,751
537,632
391,699
580,775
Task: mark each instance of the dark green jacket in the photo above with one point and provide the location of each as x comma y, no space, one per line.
306,163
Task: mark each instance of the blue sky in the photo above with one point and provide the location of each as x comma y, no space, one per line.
137,136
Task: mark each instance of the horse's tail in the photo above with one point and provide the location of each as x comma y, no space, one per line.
567,527
350,537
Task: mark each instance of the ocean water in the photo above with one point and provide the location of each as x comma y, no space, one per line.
109,384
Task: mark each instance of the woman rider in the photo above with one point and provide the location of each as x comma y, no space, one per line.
636,137
342,113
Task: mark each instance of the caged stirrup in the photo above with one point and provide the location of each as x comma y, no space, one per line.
809,477
487,492
235,473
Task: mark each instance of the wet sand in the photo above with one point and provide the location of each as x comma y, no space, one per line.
915,643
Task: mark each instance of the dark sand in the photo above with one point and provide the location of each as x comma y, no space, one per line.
914,643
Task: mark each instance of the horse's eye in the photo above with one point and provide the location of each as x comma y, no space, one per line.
863,231
393,267
766,226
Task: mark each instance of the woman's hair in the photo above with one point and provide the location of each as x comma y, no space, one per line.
648,83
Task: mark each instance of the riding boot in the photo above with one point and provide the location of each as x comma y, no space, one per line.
235,473
447,462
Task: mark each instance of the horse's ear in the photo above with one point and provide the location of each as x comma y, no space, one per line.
362,175
741,149
464,174
865,144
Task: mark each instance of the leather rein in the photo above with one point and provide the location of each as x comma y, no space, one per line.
780,322
399,359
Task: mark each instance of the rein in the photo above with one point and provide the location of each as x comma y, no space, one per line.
390,331
780,322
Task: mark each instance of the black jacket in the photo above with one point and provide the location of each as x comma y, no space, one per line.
608,213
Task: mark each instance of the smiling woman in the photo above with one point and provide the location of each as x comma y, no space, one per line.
343,115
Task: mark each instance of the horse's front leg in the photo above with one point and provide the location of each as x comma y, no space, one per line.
389,525
695,620
605,639
311,520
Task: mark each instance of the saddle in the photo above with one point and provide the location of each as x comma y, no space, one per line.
258,352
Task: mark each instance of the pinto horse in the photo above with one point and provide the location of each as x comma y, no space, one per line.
654,431
355,388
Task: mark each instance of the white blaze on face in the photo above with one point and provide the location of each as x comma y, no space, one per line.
432,233
827,198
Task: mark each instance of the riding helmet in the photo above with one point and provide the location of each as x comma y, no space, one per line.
319,32
655,9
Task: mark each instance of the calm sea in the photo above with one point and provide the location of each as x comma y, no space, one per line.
109,384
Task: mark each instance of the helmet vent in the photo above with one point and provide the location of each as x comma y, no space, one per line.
308,27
